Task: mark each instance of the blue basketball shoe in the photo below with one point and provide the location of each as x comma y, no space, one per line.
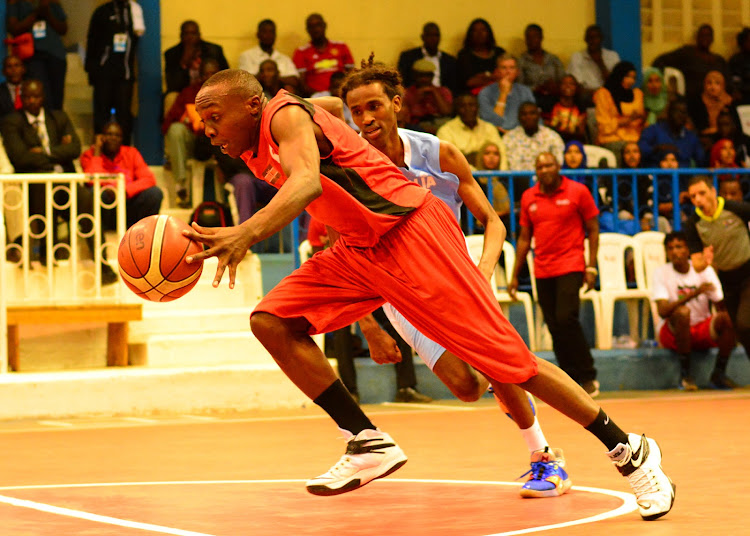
547,478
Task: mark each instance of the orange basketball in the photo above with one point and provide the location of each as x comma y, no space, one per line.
152,259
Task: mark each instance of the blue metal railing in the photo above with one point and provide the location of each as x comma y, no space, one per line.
636,191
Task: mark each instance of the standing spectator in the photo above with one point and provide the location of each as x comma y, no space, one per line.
566,117
109,155
110,57
540,70
655,95
739,68
525,142
477,59
251,59
704,109
182,62
559,213
671,135
684,297
694,61
717,236
592,65
499,102
620,114
183,133
429,106
10,91
469,133
47,23
320,58
445,64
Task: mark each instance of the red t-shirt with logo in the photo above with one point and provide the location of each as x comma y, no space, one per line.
364,193
557,224
317,66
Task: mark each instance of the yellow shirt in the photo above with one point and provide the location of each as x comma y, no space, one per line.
607,116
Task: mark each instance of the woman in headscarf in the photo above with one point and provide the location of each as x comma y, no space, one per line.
655,96
574,157
620,113
705,109
489,158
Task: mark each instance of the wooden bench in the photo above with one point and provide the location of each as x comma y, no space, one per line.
116,315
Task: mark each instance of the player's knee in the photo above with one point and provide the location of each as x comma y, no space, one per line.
466,388
681,315
264,326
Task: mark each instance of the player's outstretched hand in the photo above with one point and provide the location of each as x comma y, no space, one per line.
228,244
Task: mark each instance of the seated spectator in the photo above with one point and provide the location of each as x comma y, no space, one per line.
525,142
269,77
620,113
694,61
739,68
566,117
320,58
704,110
670,135
731,189
574,157
592,66
655,96
182,62
41,140
723,156
499,102
491,157
252,59
727,128
10,91
429,106
445,64
47,22
631,160
250,193
183,129
540,70
109,155
469,133
684,297
477,60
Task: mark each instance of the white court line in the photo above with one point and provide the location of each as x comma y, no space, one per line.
629,503
61,424
431,407
199,418
140,420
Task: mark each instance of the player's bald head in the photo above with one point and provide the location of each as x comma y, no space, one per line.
230,82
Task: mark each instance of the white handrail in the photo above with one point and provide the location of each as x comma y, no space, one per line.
3,294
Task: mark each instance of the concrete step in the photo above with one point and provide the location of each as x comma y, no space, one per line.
191,321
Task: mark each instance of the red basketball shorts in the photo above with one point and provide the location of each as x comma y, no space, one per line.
423,269
700,336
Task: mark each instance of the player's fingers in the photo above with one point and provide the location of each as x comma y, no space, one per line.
201,255
219,274
232,274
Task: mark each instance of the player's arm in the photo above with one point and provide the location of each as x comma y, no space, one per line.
666,308
332,105
453,161
383,348
299,155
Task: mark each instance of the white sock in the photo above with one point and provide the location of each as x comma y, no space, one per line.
534,437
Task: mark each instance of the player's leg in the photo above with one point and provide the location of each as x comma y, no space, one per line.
315,298
679,325
722,333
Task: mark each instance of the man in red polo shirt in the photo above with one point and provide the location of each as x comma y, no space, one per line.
320,58
559,213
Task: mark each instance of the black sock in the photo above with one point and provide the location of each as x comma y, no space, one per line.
721,364
607,431
684,365
338,403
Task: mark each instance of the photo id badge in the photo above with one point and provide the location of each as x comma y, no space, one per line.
120,42
39,29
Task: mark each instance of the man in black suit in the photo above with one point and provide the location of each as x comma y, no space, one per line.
42,140
10,90
445,74
182,61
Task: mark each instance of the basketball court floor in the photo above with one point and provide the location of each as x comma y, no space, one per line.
243,474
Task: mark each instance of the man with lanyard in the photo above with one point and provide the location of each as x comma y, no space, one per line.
718,236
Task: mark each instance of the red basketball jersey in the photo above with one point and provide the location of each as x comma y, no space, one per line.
364,194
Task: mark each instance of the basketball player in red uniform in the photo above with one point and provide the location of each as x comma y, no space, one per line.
398,244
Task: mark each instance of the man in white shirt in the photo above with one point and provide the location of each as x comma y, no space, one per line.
592,65
251,59
683,297
529,139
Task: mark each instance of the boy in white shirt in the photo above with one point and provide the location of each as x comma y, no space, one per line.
683,297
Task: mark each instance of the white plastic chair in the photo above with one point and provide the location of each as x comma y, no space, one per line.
594,154
671,72
305,251
744,112
475,244
613,285
648,255
544,341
